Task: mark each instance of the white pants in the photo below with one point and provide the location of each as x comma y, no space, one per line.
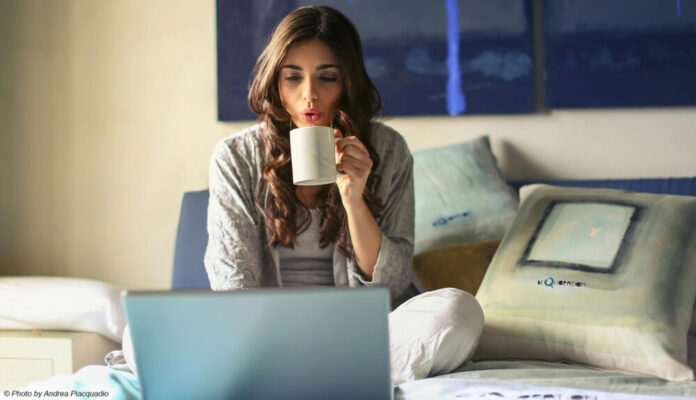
433,333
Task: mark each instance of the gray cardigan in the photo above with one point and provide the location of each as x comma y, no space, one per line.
237,256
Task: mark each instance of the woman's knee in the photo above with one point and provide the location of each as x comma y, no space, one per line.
434,333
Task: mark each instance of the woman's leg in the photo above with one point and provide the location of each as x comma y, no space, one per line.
433,333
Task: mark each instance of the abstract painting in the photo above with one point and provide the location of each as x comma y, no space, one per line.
620,53
452,57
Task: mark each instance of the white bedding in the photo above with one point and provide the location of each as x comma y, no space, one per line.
28,303
514,379
482,390
499,380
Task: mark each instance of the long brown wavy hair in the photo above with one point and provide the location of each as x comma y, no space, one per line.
359,104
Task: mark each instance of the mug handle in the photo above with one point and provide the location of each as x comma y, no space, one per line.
339,174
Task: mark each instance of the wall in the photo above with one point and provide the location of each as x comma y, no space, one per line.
108,114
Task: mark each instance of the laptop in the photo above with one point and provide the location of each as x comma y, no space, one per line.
270,343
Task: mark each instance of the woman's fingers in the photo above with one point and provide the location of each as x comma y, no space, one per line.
348,169
354,144
352,158
358,162
354,166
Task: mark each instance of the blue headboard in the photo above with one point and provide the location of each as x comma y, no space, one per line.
680,186
191,241
192,235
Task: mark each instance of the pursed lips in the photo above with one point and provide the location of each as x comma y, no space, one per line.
310,114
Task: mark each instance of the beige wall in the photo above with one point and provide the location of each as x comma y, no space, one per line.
108,114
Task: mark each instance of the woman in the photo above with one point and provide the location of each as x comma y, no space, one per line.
265,231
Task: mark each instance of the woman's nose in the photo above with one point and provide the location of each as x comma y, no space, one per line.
309,92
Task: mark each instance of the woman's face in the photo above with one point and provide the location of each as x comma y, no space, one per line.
310,84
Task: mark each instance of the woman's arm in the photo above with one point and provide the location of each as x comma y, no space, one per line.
391,244
354,160
233,258
366,239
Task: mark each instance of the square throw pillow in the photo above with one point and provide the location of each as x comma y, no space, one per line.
460,195
461,266
600,277
527,189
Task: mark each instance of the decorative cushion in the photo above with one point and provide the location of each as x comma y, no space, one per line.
460,266
600,277
525,190
61,304
460,195
433,333
682,186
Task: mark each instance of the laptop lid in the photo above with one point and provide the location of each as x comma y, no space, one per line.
272,343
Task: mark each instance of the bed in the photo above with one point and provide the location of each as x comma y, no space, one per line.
485,232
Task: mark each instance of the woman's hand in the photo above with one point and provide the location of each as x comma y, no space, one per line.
353,159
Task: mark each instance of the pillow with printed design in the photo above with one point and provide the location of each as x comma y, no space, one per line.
600,277
461,196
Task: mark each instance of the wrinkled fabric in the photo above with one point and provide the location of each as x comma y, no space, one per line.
89,383
433,333
237,256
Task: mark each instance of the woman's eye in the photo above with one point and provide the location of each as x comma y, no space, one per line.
293,78
327,78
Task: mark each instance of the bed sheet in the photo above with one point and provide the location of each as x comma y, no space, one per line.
90,382
541,380
498,380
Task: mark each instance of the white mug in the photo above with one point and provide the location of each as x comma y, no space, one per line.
313,156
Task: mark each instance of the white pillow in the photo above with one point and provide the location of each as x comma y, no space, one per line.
61,304
433,333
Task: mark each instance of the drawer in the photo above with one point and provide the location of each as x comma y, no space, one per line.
26,356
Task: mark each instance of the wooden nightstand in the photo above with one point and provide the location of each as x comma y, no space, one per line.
27,356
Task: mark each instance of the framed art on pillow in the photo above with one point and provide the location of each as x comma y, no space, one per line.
562,239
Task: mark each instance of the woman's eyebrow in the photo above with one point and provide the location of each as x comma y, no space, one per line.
326,66
319,68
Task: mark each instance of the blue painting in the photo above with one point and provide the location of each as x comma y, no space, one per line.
620,53
451,57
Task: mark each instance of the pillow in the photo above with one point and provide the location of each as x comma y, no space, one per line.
525,190
600,277
460,266
460,195
61,304
432,334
